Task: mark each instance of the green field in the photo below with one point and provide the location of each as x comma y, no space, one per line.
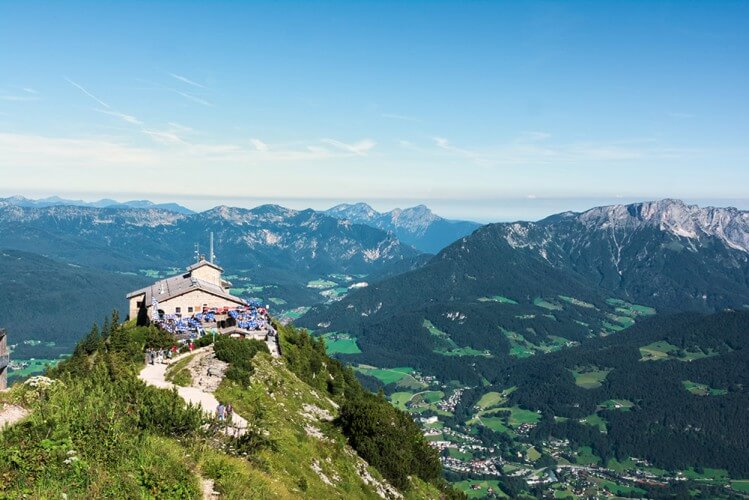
497,298
294,313
741,485
474,488
576,302
385,375
702,389
620,489
447,346
595,420
634,310
277,301
490,399
662,350
590,377
497,424
322,284
585,456
35,367
616,404
538,301
707,474
340,343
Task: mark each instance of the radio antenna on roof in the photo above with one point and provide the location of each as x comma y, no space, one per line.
211,255
197,252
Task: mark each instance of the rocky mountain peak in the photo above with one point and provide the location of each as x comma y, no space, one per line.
730,225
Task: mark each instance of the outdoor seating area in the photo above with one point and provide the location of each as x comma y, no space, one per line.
251,320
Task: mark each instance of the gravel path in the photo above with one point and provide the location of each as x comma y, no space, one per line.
155,375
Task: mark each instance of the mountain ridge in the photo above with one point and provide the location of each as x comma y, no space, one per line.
417,225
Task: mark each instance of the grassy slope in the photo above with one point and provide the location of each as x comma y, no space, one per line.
285,403
118,455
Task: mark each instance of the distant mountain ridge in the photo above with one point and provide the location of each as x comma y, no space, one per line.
519,285
271,240
417,226
103,203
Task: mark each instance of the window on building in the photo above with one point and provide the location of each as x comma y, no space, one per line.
177,310
189,309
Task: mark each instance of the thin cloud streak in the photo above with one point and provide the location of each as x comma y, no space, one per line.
92,96
186,80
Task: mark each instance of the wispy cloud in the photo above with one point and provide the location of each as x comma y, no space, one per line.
186,80
29,90
358,148
259,145
192,97
122,116
82,89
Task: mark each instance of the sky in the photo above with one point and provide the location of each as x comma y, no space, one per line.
481,110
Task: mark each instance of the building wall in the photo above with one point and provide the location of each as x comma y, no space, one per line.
3,360
134,305
197,299
207,274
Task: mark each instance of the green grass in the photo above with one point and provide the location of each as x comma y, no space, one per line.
385,375
662,350
629,309
585,456
496,424
590,377
178,373
596,420
277,301
399,399
447,347
619,489
497,298
490,399
466,487
340,343
533,454
576,302
702,389
322,284
741,485
538,301
612,404
707,474
35,367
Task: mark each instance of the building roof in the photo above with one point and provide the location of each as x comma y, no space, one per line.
175,286
202,262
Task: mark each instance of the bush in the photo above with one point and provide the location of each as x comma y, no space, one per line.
238,353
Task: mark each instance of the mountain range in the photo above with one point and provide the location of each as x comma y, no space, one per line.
54,201
417,226
536,285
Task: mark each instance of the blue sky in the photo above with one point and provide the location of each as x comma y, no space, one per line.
483,110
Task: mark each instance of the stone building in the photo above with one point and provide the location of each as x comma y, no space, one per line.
186,294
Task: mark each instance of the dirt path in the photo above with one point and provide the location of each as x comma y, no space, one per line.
155,375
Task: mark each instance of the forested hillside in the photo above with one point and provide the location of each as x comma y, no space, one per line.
50,301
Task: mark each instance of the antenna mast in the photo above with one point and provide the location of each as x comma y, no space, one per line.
197,252
211,255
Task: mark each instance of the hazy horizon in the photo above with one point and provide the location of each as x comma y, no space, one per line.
477,210
458,106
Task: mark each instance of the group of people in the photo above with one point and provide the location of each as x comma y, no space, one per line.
154,356
224,412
